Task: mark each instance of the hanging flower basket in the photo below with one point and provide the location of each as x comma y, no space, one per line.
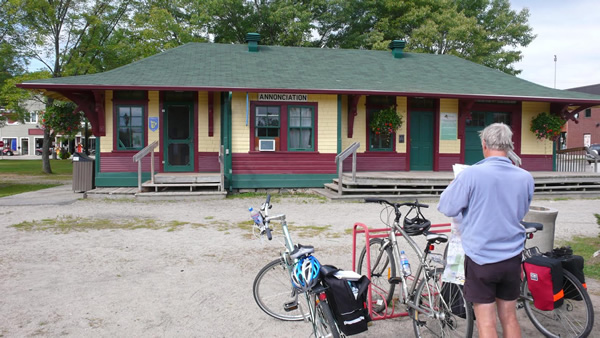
547,126
385,122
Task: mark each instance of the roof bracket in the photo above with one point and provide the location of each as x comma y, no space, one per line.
352,112
211,110
571,115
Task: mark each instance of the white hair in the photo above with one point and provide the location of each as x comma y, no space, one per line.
497,136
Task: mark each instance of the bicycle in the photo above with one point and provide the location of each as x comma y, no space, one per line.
574,318
436,309
277,288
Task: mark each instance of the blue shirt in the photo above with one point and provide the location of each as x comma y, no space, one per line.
492,197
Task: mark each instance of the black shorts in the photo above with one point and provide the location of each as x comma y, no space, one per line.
485,283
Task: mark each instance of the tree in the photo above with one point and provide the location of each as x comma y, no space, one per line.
483,31
11,61
69,37
279,22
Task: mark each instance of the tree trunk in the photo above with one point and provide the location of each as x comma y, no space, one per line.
46,152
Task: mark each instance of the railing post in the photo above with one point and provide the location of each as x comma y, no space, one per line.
354,167
340,174
152,166
139,176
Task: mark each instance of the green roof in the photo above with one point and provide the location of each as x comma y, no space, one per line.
230,67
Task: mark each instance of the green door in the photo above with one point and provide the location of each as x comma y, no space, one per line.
478,121
178,137
421,140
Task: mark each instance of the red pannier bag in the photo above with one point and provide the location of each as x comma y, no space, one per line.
545,282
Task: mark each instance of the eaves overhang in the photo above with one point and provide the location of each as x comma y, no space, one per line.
53,90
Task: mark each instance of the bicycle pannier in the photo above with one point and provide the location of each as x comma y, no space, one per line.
452,295
545,282
347,299
573,264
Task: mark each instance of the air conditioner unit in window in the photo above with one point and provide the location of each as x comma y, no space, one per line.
266,145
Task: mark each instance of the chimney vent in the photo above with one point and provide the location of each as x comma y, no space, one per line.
252,39
397,47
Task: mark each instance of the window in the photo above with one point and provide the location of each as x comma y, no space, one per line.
300,128
31,117
376,103
130,125
378,142
267,121
588,112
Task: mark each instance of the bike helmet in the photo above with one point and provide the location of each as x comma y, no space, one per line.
306,272
417,224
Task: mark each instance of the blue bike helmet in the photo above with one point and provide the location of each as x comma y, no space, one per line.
305,273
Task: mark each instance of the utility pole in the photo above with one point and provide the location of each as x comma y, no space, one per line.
554,71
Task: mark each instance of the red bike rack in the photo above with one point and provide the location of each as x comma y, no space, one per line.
360,228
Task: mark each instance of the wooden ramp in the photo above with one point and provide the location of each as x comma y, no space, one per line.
422,184
169,186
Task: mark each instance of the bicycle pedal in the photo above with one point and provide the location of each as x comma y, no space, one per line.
291,306
395,280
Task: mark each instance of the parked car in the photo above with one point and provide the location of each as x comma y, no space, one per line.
7,152
38,151
591,158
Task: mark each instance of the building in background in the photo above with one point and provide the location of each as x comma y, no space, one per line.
282,114
587,130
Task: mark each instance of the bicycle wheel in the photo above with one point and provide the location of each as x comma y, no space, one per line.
273,289
575,318
383,267
325,324
455,314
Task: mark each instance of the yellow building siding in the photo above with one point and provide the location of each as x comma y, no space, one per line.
327,124
153,111
402,111
208,143
106,142
240,132
359,130
530,145
449,146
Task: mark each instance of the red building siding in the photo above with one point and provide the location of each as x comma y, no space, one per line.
537,162
283,163
123,162
587,125
378,161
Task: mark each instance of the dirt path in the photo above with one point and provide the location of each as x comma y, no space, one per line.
192,276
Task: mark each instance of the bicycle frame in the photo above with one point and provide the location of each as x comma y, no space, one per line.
390,238
311,295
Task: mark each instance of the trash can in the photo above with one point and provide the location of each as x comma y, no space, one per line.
544,239
83,173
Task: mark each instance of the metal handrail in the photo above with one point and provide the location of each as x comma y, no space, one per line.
222,167
572,159
351,150
138,158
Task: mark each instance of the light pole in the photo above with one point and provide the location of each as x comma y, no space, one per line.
554,71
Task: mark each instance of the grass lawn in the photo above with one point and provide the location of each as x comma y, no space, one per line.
586,246
61,169
19,176
8,189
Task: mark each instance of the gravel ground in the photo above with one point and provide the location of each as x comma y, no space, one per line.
190,277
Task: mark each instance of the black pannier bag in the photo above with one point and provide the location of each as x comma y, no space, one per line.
545,282
573,264
450,292
347,300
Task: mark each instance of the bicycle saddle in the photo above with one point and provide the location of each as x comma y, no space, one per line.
435,237
301,250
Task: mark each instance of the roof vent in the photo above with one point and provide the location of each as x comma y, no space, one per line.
252,39
397,47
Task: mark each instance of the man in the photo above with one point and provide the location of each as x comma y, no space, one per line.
492,197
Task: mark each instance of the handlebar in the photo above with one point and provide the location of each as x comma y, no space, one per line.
397,206
266,219
415,204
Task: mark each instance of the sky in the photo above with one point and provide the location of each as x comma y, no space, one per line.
569,29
